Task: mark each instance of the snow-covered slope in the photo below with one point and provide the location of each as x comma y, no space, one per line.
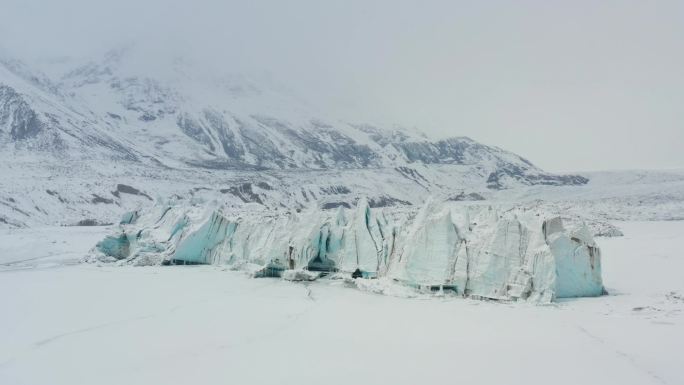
73,137
182,116
91,141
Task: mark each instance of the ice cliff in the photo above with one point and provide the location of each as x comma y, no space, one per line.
475,251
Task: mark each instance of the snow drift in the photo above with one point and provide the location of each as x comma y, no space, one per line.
475,251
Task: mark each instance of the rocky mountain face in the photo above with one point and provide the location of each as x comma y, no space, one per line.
108,120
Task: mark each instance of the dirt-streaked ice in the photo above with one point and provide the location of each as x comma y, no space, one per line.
477,251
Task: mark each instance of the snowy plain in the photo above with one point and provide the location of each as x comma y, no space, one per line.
69,323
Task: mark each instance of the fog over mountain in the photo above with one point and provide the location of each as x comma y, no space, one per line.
600,84
101,124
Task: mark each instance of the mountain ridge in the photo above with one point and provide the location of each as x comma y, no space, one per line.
101,125
226,129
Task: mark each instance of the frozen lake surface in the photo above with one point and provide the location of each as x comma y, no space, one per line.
69,323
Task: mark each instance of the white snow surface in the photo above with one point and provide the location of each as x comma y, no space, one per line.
104,324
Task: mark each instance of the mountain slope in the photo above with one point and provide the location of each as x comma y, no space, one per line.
111,122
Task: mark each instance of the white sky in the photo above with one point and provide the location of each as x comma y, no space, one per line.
570,85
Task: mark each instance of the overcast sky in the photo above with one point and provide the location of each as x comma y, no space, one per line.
570,85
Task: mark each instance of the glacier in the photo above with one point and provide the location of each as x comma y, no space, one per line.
477,251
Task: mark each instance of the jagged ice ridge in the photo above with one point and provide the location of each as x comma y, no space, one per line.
476,251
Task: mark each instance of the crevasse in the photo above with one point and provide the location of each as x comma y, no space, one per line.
475,251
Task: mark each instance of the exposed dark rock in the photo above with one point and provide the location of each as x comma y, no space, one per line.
20,211
91,222
270,271
194,130
172,262
342,150
224,164
229,143
412,174
447,151
513,172
125,189
244,192
335,190
147,117
462,196
493,181
321,264
334,205
267,153
386,201
99,199
54,194
18,115
264,186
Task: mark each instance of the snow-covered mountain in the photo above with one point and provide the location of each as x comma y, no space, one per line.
79,134
183,117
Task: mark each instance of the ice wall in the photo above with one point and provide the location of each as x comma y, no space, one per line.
476,251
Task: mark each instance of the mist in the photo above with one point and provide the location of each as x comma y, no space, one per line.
572,86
